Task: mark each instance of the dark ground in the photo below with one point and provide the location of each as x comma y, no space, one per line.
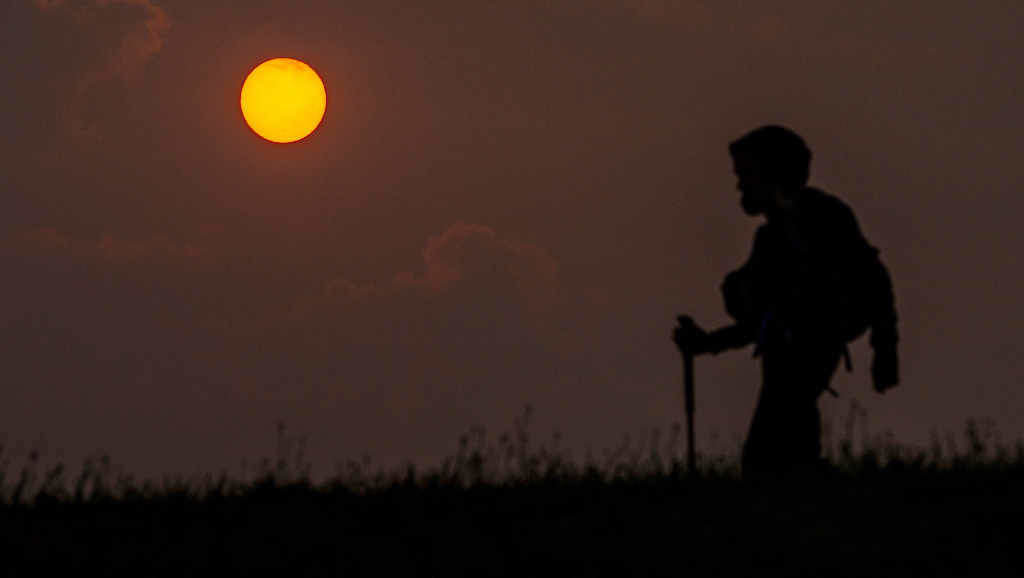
900,519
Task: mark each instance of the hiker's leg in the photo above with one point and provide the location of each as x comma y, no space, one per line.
759,447
786,428
812,370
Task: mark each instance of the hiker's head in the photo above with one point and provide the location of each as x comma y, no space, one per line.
772,164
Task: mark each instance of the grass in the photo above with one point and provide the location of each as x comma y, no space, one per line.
507,506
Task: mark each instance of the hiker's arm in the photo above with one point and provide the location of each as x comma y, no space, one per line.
741,289
885,365
740,293
689,336
884,333
729,337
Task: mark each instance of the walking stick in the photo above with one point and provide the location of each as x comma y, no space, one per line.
688,329
691,454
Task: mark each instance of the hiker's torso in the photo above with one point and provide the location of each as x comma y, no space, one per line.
793,264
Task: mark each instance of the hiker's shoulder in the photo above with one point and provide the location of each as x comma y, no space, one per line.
827,208
820,200
763,232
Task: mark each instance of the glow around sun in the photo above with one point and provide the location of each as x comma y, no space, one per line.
283,100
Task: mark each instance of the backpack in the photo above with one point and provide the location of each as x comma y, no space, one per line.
860,295
840,293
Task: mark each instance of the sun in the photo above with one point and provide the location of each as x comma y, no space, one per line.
283,100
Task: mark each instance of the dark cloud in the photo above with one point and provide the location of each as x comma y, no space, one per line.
475,254
119,38
470,277
48,240
134,45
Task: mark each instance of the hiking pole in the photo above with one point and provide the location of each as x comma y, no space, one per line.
691,454
688,329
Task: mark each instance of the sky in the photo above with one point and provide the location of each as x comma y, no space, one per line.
507,203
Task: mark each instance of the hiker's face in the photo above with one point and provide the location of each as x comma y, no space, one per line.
758,194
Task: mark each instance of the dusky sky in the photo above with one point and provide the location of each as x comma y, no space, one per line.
507,203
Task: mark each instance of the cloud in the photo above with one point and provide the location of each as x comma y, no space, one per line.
466,263
470,275
142,43
452,339
136,45
125,35
471,253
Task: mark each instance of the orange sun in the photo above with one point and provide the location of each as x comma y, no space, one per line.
283,100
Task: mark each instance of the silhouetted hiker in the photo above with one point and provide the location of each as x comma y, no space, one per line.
812,283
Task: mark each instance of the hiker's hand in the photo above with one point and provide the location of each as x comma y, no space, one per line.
885,369
688,336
